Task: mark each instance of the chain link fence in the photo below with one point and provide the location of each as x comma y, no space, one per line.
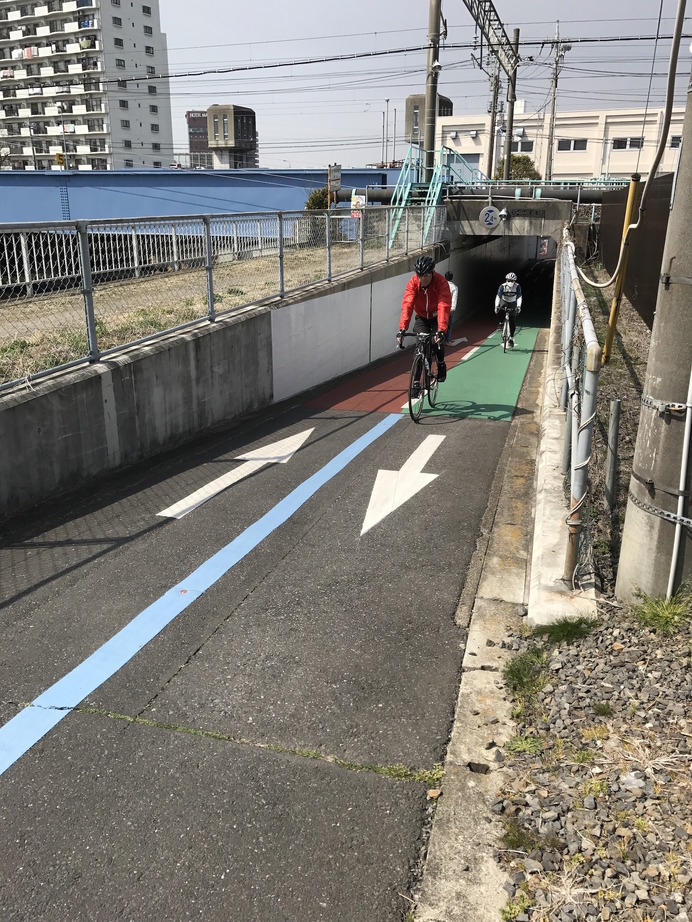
82,290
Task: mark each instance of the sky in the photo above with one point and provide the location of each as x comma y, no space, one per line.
351,112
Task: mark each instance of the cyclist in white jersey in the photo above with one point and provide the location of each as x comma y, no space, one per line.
509,296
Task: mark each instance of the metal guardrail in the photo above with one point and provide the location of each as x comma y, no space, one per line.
71,291
581,365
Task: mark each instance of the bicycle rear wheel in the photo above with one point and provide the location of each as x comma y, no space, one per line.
416,387
432,384
505,335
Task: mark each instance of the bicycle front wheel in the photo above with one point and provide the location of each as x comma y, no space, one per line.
432,384
505,335
416,387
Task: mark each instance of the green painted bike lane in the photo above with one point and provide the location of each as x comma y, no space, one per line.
485,384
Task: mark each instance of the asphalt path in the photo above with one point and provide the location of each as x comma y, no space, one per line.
240,711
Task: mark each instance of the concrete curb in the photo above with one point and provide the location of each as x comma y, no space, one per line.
519,558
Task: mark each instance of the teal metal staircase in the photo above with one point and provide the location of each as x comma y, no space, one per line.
450,169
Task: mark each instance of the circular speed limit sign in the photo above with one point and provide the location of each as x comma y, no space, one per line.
489,217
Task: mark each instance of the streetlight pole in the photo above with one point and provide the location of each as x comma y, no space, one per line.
386,143
511,96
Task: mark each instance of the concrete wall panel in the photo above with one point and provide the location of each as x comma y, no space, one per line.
317,340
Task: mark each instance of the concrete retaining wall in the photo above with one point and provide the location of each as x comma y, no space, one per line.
79,424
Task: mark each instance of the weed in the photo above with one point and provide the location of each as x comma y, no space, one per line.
515,907
218,297
603,709
594,733
519,837
524,674
594,788
234,291
566,630
583,756
641,824
665,616
524,744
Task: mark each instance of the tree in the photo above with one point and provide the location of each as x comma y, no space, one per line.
318,200
521,166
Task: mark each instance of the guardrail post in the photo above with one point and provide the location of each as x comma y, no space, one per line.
208,262
329,247
361,234
87,291
408,214
235,239
26,265
174,244
386,234
583,450
135,253
422,226
612,455
280,236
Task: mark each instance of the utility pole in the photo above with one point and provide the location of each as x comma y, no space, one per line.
433,69
656,551
557,60
382,157
495,89
511,96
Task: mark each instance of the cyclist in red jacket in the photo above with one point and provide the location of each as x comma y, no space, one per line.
428,294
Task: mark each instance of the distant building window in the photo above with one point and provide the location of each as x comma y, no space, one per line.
571,144
148,30
416,112
119,43
156,146
524,146
115,2
628,143
151,70
122,84
216,127
153,108
120,62
146,10
152,90
117,22
157,164
127,143
124,123
129,163
148,49
124,104
154,126
676,140
225,128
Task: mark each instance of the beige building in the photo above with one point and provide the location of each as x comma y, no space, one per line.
587,145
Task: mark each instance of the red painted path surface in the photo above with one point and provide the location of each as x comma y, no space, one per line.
385,389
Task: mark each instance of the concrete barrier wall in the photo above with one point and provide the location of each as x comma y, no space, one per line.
72,427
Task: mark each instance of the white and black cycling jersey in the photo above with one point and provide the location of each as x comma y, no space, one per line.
509,292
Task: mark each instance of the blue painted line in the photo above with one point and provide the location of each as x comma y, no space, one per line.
24,730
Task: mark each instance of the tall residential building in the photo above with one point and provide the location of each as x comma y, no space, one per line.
77,93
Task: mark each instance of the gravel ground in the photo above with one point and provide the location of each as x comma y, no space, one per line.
598,809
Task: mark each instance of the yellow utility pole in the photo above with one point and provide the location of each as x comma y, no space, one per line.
632,201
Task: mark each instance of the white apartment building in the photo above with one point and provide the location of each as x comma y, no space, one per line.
586,145
75,85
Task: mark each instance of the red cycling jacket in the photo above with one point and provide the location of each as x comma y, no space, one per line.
430,302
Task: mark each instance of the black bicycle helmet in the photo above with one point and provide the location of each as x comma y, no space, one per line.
424,264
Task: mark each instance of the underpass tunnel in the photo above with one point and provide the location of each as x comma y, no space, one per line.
479,265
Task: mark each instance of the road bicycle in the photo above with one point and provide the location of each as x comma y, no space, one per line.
506,334
423,380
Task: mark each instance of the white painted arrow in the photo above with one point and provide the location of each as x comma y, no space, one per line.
276,453
455,342
393,488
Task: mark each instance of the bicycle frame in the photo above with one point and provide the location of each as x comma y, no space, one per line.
423,379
